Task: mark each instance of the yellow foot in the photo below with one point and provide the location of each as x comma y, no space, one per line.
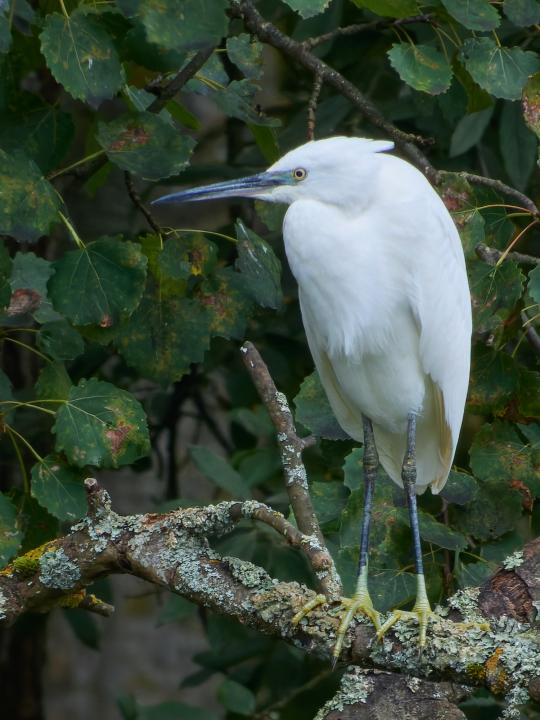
422,615
360,604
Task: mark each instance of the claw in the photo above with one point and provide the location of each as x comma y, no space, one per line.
360,604
308,607
421,615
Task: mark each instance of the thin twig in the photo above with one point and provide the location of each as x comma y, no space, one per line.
291,447
269,33
83,172
530,333
136,200
317,555
361,28
504,189
312,107
180,79
491,256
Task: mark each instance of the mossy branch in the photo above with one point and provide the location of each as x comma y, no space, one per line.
172,550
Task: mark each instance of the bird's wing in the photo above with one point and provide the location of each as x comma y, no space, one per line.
346,417
442,307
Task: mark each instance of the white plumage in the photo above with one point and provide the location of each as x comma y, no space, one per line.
386,308
384,297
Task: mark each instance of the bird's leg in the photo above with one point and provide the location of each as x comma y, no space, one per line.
361,600
422,610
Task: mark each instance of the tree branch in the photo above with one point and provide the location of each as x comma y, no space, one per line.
171,550
136,200
266,32
291,447
504,189
358,28
491,256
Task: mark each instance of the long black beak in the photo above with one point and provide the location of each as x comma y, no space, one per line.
250,186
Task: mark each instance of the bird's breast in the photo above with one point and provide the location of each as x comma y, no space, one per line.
348,275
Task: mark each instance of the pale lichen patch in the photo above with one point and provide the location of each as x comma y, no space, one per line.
356,687
58,571
514,560
3,606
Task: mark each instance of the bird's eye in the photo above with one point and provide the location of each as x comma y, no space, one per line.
299,173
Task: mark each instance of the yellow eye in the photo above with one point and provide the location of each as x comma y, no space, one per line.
299,173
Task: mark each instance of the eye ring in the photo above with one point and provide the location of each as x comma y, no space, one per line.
299,173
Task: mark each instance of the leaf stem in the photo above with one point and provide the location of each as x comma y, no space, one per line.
82,161
78,241
34,452
29,404
27,347
64,10
25,478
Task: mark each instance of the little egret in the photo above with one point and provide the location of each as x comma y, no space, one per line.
386,309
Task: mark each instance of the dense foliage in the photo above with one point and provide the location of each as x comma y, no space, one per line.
106,338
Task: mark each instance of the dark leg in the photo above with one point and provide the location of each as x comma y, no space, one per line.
371,464
361,600
422,609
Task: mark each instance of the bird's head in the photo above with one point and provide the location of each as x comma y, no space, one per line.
333,170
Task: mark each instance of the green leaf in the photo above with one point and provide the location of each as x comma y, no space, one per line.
100,283
225,297
499,455
28,203
522,13
191,254
81,55
164,336
238,100
29,278
145,144
44,134
531,103
53,382
528,395
473,14
10,535
220,472
500,70
6,413
308,8
473,574
459,488
176,609
84,626
101,425
434,532
390,589
5,30
329,500
421,66
518,145
246,54
184,24
494,381
533,286
59,340
5,275
173,711
59,488
390,8
495,510
314,412
469,130
260,267
235,697
495,293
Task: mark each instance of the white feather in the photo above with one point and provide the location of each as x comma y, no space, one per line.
384,298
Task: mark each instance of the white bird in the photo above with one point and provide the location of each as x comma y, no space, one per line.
386,308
